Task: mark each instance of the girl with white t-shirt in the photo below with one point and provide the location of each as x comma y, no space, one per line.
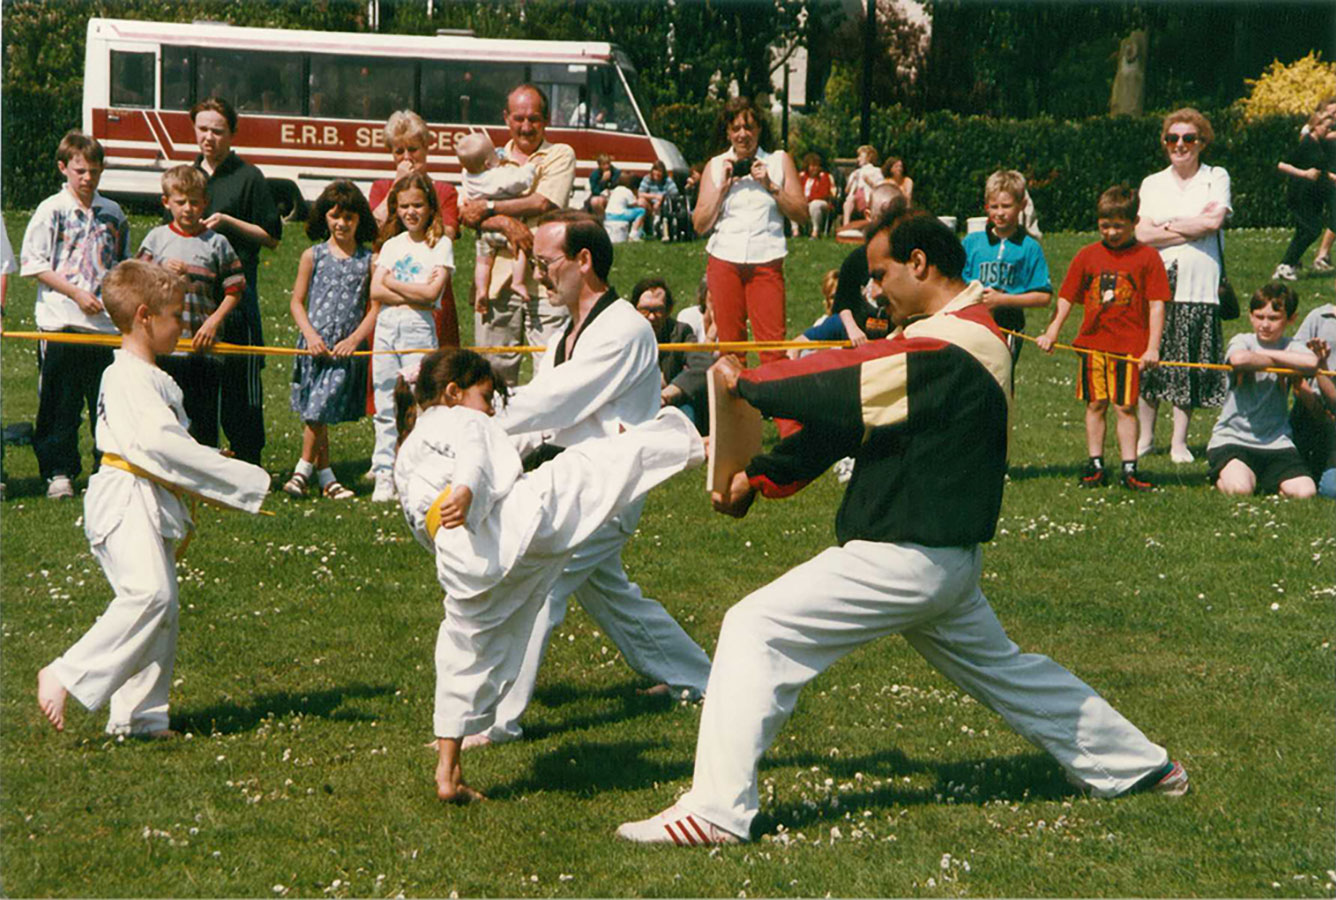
412,272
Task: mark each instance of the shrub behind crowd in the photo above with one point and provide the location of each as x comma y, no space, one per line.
1067,163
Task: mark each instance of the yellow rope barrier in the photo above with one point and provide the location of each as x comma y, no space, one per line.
225,349
1223,367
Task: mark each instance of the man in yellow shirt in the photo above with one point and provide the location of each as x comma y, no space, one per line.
504,318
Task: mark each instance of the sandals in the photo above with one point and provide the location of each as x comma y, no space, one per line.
296,485
336,491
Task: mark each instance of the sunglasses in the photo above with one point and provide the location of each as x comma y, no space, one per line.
1188,139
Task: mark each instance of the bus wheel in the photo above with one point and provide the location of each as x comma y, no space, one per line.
291,205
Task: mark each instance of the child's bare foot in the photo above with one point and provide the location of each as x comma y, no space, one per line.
51,696
450,785
475,740
457,792
659,690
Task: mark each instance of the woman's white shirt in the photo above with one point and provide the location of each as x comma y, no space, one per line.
1195,266
750,227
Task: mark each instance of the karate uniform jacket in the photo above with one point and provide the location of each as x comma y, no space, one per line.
460,447
142,419
610,379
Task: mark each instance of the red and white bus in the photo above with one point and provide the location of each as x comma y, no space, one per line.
313,103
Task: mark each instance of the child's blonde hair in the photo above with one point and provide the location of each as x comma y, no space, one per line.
412,181
829,282
1005,181
133,283
186,180
873,157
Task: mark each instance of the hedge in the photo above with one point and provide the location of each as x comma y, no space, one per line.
1068,163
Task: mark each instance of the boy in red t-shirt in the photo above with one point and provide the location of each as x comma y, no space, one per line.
1123,287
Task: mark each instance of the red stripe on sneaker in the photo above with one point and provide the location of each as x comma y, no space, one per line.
668,827
704,838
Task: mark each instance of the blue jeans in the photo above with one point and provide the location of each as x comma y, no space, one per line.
1326,485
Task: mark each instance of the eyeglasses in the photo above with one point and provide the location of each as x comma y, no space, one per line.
1188,139
545,265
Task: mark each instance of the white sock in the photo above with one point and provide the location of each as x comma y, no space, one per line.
327,477
304,468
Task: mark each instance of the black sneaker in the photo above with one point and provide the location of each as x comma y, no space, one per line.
1094,477
1135,483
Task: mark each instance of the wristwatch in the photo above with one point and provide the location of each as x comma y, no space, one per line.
491,209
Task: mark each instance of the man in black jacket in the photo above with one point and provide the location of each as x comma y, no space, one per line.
924,415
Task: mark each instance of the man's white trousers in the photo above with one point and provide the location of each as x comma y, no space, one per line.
782,636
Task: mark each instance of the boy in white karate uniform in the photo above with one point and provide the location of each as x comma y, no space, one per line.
134,513
502,537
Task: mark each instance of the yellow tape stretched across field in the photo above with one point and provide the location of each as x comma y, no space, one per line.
225,349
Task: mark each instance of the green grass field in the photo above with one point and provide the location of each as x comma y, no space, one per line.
304,687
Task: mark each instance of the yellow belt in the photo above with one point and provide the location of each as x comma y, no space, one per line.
434,513
185,495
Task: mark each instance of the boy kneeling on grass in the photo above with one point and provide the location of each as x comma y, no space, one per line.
1123,287
134,512
1252,446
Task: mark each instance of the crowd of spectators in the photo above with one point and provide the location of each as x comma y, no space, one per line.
748,200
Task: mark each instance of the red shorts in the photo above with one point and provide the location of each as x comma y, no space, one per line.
1102,377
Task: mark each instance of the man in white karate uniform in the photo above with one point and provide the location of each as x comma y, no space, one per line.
600,376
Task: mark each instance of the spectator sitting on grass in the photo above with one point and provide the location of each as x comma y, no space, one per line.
654,301
623,207
829,282
1313,418
1251,446
601,182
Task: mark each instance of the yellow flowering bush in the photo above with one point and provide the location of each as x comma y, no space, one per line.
1293,90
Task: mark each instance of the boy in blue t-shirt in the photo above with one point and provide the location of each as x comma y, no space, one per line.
1252,446
1008,262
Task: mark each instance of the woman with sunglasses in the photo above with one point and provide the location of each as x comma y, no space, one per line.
1183,208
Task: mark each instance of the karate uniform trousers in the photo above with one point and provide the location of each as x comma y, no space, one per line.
782,636
480,644
612,378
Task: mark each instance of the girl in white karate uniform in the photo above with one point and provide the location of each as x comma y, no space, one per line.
501,536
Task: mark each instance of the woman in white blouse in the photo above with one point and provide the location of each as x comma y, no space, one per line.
744,197
1183,209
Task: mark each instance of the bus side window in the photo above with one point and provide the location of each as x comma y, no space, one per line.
360,87
467,93
253,82
176,78
131,78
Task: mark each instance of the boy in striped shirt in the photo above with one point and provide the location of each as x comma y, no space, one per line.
214,284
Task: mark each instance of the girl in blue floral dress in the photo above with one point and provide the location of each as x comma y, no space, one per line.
331,306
